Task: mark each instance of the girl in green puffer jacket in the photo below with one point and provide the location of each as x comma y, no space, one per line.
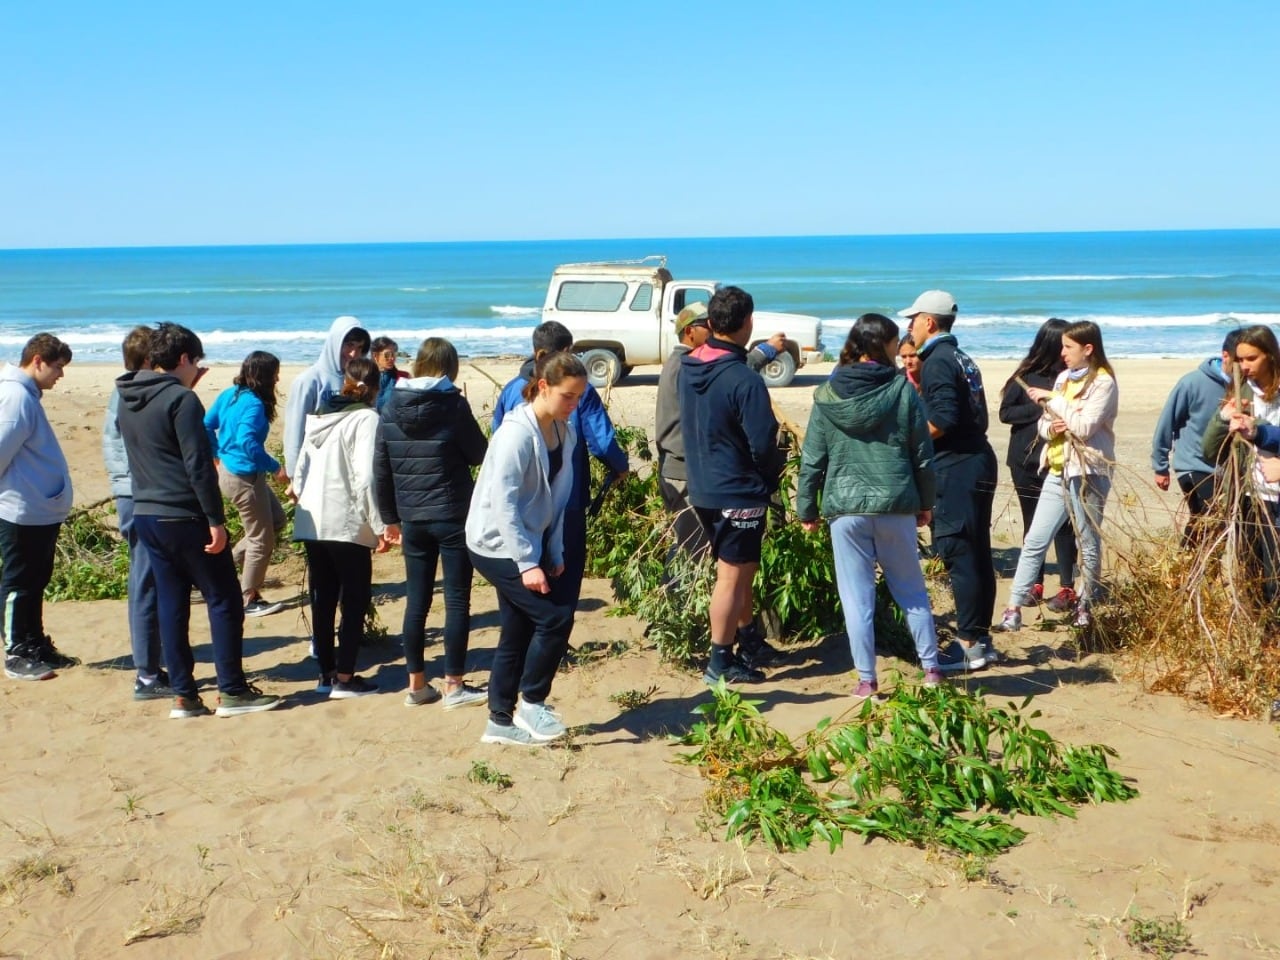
867,457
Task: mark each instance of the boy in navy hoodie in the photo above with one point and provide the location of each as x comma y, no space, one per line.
733,465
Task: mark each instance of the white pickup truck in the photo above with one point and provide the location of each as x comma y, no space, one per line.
622,313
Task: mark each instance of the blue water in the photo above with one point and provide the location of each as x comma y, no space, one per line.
1154,294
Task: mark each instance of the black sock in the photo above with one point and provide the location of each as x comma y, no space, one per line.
749,635
721,657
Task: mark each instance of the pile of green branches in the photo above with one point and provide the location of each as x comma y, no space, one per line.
91,561
930,767
630,543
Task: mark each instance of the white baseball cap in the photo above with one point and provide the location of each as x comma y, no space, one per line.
937,303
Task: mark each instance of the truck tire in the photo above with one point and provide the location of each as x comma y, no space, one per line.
604,367
779,371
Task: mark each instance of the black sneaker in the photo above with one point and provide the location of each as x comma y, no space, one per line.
735,672
756,652
357,686
157,689
262,608
18,667
48,653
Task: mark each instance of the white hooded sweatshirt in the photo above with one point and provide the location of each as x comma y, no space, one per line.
333,479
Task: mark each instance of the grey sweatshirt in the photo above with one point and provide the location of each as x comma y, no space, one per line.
35,484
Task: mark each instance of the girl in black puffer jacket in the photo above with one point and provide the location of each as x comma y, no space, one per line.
427,441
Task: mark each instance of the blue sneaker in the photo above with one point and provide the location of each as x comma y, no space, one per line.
539,721
508,735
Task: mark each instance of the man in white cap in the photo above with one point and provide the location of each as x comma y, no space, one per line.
951,387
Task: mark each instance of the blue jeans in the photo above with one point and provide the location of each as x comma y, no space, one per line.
426,543
178,561
144,622
1080,499
859,542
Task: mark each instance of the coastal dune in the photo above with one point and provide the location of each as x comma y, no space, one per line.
360,828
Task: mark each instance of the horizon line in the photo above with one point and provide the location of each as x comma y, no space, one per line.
652,239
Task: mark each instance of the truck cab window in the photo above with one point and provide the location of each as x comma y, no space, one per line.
643,300
603,295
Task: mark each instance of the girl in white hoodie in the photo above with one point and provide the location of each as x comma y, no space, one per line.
338,523
515,535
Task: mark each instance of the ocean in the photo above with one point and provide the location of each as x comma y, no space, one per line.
1155,294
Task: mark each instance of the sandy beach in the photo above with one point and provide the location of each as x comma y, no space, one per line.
350,829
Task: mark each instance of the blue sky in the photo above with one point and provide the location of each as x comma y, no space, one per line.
136,124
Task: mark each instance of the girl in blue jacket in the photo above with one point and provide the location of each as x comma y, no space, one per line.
237,425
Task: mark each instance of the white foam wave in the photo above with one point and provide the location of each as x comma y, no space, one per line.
510,311
223,337
1102,277
192,291
1112,321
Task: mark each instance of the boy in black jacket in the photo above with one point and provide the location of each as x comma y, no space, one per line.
733,466
954,399
177,512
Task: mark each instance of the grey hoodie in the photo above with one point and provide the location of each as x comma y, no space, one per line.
35,484
313,387
514,505
113,452
1195,398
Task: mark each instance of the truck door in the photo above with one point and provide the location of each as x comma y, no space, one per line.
678,295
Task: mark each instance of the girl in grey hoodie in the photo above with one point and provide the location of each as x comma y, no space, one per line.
515,535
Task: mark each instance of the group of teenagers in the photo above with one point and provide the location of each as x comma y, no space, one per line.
889,450
375,457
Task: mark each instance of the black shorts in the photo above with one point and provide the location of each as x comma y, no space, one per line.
734,539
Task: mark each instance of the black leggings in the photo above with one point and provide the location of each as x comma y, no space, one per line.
340,574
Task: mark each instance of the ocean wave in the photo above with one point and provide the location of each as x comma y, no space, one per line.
1112,321
509,311
219,291
1103,277
223,337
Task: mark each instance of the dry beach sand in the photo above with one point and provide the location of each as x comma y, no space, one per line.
350,828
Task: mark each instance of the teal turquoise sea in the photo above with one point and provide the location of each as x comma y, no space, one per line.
1156,294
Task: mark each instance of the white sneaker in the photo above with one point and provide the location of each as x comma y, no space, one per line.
539,721
464,696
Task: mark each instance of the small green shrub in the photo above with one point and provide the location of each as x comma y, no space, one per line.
633,699
1162,936
482,772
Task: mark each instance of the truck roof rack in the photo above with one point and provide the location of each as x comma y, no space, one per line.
658,259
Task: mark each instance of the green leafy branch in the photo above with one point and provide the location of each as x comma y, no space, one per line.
930,767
